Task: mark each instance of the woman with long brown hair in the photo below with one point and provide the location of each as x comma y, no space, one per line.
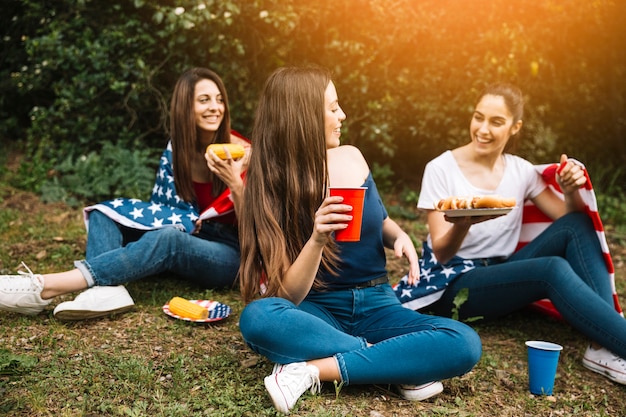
189,226
320,309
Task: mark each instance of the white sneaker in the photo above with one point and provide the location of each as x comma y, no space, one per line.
95,302
420,392
22,293
288,382
606,363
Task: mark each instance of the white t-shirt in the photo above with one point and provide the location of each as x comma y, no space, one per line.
497,237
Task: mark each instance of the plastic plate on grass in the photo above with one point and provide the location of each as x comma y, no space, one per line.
477,212
217,311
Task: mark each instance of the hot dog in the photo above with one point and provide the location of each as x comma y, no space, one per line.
493,201
475,202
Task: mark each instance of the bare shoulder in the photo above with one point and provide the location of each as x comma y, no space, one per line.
347,166
348,153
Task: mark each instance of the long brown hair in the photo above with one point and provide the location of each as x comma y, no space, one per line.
286,179
184,131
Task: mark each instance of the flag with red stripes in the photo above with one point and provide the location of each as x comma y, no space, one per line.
165,208
534,221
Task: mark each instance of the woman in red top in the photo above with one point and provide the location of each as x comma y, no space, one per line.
129,239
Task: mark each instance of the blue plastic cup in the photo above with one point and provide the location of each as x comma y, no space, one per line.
543,358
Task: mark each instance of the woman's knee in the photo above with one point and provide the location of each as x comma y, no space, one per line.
464,344
258,317
99,219
555,269
474,350
577,221
472,347
167,236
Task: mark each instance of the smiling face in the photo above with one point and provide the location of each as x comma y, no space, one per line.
492,125
208,106
333,116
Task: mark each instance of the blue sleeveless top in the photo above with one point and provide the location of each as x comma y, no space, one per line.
364,260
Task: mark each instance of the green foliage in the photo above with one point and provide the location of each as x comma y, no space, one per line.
13,109
612,208
610,190
113,171
383,174
145,363
406,205
79,74
411,196
460,299
11,364
338,386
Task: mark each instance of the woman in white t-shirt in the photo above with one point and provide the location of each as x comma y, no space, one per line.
564,263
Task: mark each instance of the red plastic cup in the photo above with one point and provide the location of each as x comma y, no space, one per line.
354,197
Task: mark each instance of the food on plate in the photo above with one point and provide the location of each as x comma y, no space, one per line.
475,202
188,310
236,151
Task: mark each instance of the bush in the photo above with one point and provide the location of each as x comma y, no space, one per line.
115,171
407,72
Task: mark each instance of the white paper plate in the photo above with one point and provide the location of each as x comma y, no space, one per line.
477,212
217,311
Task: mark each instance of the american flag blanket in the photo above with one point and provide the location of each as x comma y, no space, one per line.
534,222
434,277
165,208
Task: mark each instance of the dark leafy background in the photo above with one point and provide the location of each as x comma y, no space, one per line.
80,76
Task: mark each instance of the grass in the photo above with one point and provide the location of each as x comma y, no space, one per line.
144,363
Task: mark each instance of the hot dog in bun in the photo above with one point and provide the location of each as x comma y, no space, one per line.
475,202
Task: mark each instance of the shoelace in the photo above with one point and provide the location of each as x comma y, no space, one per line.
29,273
615,361
619,361
315,381
316,387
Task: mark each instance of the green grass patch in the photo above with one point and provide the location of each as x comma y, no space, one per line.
144,363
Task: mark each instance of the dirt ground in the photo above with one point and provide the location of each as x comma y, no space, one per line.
47,236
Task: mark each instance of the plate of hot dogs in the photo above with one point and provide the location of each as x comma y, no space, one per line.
483,205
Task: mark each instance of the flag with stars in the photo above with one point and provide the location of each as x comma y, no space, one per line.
165,208
434,279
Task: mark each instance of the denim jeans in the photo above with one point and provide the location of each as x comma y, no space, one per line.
408,347
117,255
564,264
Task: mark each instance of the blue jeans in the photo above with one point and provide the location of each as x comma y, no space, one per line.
408,347
117,255
564,264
